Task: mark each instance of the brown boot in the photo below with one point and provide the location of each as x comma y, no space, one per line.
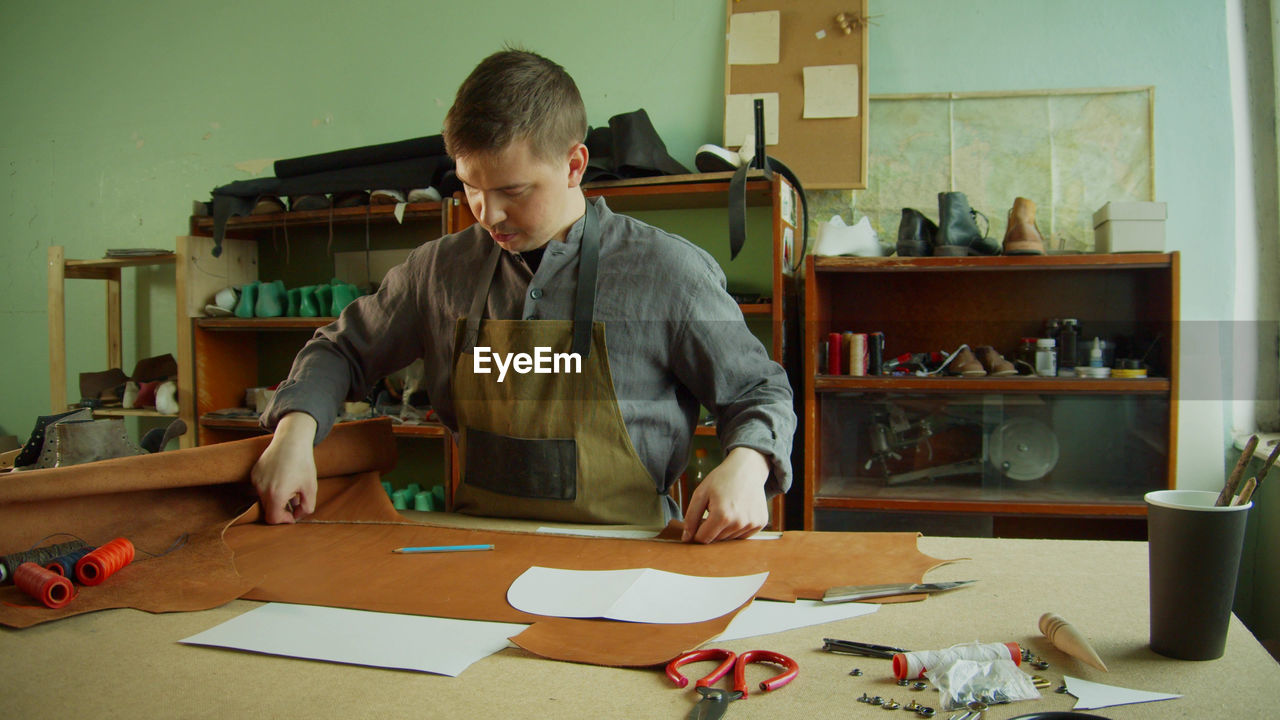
993,362
1022,236
964,363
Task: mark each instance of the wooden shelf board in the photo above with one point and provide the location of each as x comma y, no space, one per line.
253,324
995,263
131,412
677,192
1000,507
431,430
301,323
339,216
109,268
1018,384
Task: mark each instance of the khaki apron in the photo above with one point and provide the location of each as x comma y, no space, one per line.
546,445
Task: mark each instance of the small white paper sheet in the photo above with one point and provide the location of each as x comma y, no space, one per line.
754,38
765,617
1092,695
633,595
831,91
443,646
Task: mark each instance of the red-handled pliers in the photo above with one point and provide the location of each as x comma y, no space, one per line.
739,664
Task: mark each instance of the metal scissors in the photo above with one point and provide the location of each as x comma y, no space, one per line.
715,701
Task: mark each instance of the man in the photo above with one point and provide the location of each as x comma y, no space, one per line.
576,431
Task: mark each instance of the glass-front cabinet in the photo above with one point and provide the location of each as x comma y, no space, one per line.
1019,453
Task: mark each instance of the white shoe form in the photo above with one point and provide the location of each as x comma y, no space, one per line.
859,240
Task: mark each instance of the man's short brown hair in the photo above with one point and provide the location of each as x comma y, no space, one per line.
516,95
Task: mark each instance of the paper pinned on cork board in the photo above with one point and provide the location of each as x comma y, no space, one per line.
632,595
831,91
753,38
740,118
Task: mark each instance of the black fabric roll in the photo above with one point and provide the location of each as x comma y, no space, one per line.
367,155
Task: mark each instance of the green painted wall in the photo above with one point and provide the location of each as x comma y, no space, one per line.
117,115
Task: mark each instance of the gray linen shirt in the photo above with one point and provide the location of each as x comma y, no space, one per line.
675,339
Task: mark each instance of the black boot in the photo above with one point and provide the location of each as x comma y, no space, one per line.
957,230
916,234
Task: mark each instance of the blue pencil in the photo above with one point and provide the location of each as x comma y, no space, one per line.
442,548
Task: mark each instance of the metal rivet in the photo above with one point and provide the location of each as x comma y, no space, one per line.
891,705
919,685
1040,665
913,705
925,712
877,700
855,672
1062,690
904,682
865,698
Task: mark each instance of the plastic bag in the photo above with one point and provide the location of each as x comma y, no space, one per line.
988,681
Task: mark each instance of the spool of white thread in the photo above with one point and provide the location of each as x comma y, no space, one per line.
914,664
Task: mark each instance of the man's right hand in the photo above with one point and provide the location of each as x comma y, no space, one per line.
285,474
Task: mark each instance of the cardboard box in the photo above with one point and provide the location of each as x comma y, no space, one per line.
1130,226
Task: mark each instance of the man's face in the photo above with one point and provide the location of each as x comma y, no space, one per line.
522,200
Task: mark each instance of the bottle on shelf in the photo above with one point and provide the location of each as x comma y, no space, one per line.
1067,337
1046,357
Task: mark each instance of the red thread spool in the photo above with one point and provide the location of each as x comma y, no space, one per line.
46,586
104,562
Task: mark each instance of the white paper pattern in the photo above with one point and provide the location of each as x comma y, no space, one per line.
443,646
632,595
1092,695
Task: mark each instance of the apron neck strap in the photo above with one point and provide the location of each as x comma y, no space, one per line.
584,302
584,306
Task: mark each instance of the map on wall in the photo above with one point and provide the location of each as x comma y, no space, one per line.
1068,151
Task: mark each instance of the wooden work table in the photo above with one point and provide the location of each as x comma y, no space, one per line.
129,664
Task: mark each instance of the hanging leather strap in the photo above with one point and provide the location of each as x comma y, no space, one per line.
584,305
482,296
738,205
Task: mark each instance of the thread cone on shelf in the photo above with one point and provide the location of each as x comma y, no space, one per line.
1022,237
1069,640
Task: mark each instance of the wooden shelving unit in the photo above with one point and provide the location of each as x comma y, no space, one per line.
933,304
62,269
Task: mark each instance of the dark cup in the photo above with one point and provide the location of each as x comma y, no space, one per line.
1193,551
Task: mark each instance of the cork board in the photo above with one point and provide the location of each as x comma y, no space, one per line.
825,153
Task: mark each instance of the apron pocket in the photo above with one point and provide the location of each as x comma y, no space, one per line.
542,468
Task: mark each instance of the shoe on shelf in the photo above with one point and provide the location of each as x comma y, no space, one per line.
248,300
307,302
293,299
316,201
713,158
353,198
342,295
386,197
267,205
964,363
273,300
426,194
1022,237
858,240
958,230
916,234
993,362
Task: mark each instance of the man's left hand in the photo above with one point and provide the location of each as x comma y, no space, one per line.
732,497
